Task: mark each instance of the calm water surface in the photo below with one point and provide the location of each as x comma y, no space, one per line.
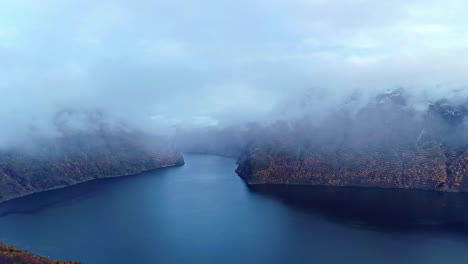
203,213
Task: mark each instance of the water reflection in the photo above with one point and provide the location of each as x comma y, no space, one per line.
36,202
390,210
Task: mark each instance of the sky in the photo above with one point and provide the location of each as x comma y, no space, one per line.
155,63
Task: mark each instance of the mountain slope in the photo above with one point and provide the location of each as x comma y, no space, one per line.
76,158
385,144
11,255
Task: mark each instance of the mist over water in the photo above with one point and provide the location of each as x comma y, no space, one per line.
334,92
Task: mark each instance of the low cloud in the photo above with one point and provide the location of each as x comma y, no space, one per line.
192,63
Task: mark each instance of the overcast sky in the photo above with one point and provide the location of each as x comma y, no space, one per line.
208,61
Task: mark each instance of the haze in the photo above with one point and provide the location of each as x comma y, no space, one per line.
156,65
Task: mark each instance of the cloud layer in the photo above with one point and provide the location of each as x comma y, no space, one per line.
162,63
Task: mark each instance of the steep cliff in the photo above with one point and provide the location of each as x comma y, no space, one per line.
59,162
385,144
405,167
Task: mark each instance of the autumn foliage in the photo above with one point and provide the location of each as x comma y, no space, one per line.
11,255
385,144
73,159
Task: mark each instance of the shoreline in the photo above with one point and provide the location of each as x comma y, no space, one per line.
88,180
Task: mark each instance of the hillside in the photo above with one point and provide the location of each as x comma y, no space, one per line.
388,143
71,159
11,255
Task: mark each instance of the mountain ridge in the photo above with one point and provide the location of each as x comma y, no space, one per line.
387,143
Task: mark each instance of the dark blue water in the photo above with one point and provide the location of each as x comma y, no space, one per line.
203,213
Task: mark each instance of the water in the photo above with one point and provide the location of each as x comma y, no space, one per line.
203,213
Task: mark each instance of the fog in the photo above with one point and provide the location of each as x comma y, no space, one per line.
166,66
